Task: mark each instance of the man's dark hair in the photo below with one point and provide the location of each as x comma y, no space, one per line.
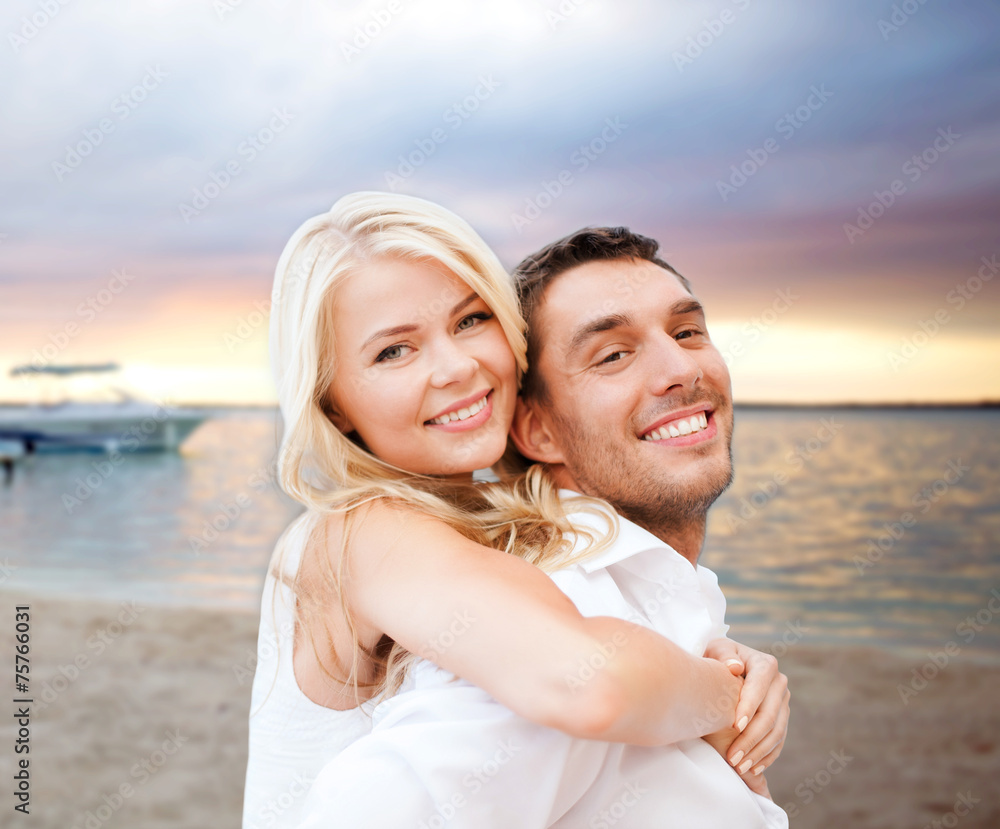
537,271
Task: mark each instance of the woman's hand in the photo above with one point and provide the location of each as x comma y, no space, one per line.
758,735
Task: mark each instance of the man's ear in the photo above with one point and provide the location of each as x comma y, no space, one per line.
533,434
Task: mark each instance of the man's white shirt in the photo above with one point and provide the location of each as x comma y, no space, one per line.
443,754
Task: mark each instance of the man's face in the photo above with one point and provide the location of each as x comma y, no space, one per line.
640,403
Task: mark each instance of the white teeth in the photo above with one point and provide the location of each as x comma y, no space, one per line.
689,426
462,414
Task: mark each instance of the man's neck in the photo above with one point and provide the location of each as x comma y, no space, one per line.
687,537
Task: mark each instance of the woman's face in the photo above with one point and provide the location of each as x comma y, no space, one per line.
424,373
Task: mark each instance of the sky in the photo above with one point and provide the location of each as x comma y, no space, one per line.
826,174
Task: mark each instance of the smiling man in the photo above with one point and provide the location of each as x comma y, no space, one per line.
626,398
628,402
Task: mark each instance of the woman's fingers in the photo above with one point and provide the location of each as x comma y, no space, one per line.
761,673
725,651
760,743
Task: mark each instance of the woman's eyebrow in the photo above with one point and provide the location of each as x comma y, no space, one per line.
467,301
388,332
409,328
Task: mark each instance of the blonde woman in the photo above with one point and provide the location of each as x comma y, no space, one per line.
397,347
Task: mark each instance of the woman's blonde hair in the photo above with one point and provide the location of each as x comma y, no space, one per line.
328,471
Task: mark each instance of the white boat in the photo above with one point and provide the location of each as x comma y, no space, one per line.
128,424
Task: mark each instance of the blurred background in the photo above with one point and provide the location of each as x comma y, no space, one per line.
827,176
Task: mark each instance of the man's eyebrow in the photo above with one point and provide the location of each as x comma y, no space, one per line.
612,321
686,306
396,330
606,323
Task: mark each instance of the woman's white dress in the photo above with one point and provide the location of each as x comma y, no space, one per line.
291,737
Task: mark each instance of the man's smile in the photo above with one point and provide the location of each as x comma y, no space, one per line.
697,425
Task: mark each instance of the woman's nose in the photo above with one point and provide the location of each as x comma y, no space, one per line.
452,364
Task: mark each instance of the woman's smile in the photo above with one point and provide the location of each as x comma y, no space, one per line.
463,416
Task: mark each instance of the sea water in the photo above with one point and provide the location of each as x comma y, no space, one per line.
861,527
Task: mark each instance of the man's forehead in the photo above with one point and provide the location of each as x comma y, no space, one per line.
603,287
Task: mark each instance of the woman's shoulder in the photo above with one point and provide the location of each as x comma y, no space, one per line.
376,524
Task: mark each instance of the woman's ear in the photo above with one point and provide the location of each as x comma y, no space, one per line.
338,419
534,435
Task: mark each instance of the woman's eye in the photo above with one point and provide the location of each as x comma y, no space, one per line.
473,320
393,352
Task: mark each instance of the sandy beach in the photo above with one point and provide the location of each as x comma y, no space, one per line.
139,720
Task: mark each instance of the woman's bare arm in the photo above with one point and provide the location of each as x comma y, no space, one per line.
503,625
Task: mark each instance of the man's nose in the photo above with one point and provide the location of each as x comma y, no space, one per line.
452,363
671,366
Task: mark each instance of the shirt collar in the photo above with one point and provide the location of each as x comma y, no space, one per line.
630,540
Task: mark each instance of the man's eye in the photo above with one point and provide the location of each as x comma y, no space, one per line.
473,319
689,333
613,357
393,352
